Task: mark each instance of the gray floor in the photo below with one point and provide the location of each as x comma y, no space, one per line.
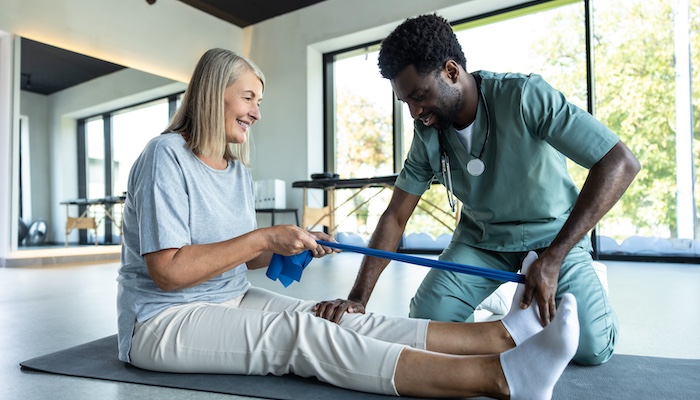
50,308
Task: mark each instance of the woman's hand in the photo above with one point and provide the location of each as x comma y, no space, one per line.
289,240
323,250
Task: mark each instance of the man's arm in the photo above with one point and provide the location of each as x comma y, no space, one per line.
606,182
386,237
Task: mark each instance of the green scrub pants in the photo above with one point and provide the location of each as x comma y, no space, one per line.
450,296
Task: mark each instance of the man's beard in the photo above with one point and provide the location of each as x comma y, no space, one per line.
448,105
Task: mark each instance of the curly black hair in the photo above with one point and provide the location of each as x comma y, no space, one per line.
426,41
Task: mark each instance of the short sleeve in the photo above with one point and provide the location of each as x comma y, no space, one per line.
416,176
161,200
569,129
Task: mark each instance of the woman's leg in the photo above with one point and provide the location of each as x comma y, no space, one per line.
400,330
528,371
461,338
225,339
444,337
425,374
222,338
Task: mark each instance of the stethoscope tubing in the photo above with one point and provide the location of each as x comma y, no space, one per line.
445,159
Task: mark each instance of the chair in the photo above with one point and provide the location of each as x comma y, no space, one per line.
81,223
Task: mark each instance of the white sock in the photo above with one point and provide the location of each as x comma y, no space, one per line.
533,368
521,324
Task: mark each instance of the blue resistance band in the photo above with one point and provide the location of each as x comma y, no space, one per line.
287,269
504,276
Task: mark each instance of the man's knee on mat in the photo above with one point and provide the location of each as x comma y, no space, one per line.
594,349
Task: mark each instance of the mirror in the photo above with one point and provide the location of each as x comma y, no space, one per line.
59,94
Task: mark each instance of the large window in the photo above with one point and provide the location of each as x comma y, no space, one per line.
111,143
364,136
629,62
132,129
639,66
95,141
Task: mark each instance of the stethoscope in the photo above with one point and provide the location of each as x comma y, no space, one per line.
475,166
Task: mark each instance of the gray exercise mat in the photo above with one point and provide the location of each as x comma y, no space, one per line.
623,377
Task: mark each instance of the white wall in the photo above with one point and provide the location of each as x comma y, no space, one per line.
6,68
36,108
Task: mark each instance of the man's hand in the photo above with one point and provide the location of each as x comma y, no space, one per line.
541,283
333,310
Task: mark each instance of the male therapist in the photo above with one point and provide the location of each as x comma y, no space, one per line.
499,143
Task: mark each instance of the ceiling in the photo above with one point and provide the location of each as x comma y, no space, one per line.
248,12
47,69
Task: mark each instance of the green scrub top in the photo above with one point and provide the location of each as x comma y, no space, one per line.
525,194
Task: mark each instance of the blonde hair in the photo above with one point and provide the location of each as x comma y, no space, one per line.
200,117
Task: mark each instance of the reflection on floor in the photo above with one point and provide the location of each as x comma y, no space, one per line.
27,256
49,308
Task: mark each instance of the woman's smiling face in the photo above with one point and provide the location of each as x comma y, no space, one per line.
242,106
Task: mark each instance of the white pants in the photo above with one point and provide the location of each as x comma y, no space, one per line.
264,333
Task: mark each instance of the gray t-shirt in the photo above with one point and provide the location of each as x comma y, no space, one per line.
174,200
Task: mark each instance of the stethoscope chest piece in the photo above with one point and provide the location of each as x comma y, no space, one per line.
475,167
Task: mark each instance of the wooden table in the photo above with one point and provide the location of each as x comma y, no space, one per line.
87,218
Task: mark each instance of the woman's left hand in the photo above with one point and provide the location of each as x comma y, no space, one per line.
323,250
288,240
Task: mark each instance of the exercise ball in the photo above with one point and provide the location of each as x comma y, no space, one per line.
37,233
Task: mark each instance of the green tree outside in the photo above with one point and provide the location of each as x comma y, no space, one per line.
635,97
